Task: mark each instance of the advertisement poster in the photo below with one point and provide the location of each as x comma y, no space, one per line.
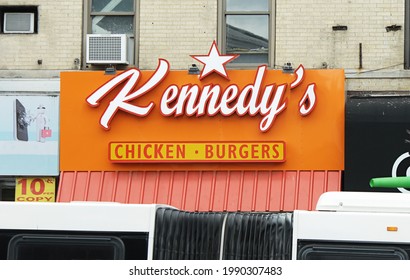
29,134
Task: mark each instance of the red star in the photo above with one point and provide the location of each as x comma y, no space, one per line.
214,62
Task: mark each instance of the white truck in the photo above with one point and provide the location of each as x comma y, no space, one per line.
345,225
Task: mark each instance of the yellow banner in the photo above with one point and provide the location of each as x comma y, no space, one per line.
35,189
197,151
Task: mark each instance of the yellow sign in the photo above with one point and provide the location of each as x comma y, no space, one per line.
197,151
35,189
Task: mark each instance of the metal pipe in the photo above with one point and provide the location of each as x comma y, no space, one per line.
360,56
406,34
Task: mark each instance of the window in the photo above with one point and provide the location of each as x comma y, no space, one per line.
107,19
65,247
112,17
246,31
351,252
62,245
7,188
18,19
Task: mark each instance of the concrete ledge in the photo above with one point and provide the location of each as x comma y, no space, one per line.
30,73
29,85
377,74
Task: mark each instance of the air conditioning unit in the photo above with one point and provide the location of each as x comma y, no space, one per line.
106,49
18,23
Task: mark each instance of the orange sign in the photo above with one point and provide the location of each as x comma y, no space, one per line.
197,152
103,117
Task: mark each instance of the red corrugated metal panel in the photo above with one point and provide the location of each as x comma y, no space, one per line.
202,190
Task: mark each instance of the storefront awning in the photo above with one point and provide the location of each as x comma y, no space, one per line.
202,190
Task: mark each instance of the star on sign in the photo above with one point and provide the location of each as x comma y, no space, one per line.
214,62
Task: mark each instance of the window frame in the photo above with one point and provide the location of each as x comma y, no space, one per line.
7,188
19,9
222,31
111,13
57,241
350,251
87,29
137,243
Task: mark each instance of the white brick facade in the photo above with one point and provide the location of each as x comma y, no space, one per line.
305,35
57,43
175,29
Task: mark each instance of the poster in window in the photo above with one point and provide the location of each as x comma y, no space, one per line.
25,148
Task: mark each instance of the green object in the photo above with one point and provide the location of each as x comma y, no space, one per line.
390,182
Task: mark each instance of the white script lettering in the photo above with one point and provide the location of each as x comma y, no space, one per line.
192,100
125,95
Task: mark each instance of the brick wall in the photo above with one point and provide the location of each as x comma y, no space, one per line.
57,43
174,30
305,35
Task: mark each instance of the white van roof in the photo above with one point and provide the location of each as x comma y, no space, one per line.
364,202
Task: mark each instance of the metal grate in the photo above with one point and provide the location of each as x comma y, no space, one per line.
106,48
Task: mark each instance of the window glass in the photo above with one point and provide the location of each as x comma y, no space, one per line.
246,5
51,247
254,58
7,188
112,25
18,244
248,36
64,252
112,6
345,252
